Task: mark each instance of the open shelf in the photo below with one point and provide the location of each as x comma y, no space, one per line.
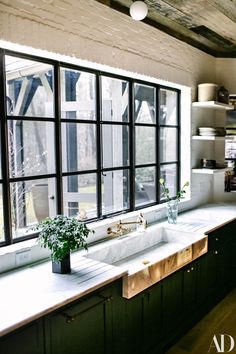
208,171
211,138
213,105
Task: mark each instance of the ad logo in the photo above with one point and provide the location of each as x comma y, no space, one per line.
223,344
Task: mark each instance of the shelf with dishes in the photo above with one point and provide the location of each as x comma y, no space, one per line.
211,171
209,138
213,105
210,133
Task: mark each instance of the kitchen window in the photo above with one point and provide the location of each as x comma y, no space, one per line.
80,141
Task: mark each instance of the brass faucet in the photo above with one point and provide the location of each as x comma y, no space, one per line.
121,229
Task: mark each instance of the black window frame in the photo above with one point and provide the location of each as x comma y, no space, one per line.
58,121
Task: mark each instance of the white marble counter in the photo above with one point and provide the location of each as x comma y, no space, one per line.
29,293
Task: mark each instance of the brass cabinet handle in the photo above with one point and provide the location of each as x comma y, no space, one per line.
71,318
216,252
216,239
188,270
192,268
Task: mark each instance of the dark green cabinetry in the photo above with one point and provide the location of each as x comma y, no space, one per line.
27,340
84,327
106,323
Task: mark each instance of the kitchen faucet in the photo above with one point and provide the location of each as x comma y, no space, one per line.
120,227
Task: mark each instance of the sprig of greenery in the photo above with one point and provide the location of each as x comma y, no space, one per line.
62,234
166,192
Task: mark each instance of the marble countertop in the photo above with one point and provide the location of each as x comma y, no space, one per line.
29,293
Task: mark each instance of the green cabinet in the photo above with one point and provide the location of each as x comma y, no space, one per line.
27,340
172,305
83,327
137,322
152,319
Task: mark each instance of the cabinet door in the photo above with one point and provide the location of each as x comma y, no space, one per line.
27,340
134,324
190,287
172,305
82,328
152,319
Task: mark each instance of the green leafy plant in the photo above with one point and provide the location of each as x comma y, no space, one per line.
62,234
166,192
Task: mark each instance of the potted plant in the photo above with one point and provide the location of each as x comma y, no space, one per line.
62,234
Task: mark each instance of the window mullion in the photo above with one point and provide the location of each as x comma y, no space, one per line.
5,155
58,140
132,144
99,142
158,173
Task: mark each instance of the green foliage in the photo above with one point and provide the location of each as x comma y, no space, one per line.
166,192
61,235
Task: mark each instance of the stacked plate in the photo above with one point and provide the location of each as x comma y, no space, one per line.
209,131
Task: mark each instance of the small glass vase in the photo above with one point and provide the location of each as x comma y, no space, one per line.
172,211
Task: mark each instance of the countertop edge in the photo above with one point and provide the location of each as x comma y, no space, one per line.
60,304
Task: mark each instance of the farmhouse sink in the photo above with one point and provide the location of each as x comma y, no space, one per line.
150,255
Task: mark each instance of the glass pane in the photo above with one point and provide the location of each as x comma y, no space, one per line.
29,88
78,147
145,104
145,144
31,202
78,97
115,98
115,141
168,144
1,217
80,195
145,187
115,191
169,174
31,148
168,107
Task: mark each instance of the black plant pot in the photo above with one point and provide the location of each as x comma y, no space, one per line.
62,267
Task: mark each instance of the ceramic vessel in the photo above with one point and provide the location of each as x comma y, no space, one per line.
62,267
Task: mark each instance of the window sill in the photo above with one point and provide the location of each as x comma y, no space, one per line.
32,252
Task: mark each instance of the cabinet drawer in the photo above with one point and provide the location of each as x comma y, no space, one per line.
222,235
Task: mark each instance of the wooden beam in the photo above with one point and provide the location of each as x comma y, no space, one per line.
227,7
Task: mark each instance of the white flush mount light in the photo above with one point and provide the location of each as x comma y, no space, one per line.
138,10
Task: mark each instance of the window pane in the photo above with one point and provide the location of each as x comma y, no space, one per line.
115,141
80,195
31,201
115,98
115,191
169,174
168,144
145,143
77,94
1,217
78,147
31,148
29,88
145,187
168,107
145,103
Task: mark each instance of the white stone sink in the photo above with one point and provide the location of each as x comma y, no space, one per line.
150,255
155,241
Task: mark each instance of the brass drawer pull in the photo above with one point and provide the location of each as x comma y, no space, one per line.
71,318
216,252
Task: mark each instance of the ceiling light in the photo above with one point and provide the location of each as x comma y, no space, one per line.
138,10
